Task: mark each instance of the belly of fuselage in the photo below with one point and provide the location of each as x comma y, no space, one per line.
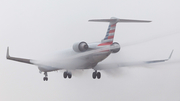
70,60
98,57
85,61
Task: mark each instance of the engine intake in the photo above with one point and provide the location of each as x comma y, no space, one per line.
115,47
80,46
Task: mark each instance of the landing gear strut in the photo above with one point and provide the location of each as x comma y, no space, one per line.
67,74
96,75
45,78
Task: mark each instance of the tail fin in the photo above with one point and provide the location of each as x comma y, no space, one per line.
108,40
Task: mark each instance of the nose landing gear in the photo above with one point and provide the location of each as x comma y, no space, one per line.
45,78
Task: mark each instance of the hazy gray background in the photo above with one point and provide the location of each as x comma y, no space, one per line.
36,27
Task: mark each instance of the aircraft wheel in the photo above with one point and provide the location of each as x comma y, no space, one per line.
69,75
45,78
94,75
98,75
65,74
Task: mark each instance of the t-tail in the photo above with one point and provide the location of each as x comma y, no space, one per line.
108,40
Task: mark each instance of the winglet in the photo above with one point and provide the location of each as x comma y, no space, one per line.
7,55
170,55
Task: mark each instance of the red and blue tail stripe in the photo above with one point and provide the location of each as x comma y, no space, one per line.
108,40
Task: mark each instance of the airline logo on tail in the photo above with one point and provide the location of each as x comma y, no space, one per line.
110,34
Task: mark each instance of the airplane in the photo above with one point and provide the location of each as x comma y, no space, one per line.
83,55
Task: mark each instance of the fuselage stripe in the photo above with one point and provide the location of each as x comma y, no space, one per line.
107,43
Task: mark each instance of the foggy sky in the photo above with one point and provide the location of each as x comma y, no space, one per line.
37,27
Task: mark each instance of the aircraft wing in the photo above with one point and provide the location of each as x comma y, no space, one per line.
28,61
106,66
157,61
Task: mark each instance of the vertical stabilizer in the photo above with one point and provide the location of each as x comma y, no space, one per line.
108,40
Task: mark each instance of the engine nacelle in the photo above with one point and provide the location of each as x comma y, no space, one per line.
80,46
115,47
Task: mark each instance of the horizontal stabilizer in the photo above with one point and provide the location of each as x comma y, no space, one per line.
117,20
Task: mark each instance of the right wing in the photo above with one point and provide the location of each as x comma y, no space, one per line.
106,66
157,61
28,61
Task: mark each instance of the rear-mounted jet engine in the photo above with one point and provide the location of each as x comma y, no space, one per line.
115,47
80,46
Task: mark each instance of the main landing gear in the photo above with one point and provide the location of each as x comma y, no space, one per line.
96,75
67,74
45,78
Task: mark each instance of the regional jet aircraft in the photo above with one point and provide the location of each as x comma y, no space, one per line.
83,55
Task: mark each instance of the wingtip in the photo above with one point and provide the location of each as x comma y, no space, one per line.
171,54
7,55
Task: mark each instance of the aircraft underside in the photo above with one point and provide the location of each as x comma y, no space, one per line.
86,62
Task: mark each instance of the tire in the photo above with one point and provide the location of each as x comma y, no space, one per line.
45,79
98,75
65,74
69,75
94,75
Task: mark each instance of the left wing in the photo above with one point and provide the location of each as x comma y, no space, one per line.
28,61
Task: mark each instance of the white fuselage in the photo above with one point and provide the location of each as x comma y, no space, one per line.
71,60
